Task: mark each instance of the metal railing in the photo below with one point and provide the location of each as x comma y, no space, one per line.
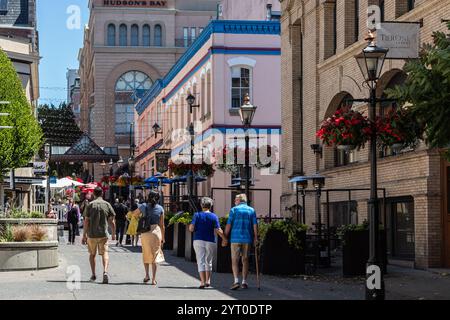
38,208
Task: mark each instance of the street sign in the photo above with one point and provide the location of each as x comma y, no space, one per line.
39,167
53,180
401,38
162,161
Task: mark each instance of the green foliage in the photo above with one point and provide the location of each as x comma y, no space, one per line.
427,90
6,233
167,217
19,144
353,227
185,218
290,228
19,214
223,221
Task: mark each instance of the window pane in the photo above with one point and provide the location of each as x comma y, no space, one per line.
236,82
146,36
111,35
123,35
134,35
193,34
235,72
3,5
158,35
245,73
245,82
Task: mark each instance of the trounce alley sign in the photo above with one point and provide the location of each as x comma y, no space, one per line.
401,38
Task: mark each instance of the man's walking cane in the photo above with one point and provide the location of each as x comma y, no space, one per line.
258,280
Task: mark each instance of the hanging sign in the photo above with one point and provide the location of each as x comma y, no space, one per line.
162,161
402,39
39,167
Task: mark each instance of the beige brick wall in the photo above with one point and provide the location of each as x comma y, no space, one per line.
326,76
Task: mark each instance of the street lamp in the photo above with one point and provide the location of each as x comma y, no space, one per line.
371,61
191,100
103,165
300,184
157,129
247,112
318,182
48,152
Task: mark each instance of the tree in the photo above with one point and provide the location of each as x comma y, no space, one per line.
19,144
427,90
58,124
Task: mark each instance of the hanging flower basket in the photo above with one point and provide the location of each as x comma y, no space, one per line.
259,158
137,181
399,130
347,128
182,169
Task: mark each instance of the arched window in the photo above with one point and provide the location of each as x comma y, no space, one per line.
123,35
158,35
134,35
240,85
129,86
111,35
146,36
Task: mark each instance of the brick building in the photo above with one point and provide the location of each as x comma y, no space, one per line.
127,47
319,73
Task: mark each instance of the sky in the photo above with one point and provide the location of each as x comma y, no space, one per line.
60,38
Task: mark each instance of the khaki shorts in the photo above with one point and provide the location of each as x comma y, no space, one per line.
100,243
240,250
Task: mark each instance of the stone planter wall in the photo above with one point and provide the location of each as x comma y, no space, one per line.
16,256
179,237
50,225
189,252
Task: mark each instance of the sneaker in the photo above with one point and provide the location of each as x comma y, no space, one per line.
93,278
105,278
235,286
244,286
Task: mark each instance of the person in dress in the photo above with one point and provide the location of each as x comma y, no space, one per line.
132,227
152,240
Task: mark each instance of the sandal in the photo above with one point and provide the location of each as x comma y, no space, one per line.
235,286
146,280
154,283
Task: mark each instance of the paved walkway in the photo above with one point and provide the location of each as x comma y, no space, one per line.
177,280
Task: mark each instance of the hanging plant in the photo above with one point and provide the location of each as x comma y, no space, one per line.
182,169
399,127
346,127
233,166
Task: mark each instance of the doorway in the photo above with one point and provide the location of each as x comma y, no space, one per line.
446,211
400,228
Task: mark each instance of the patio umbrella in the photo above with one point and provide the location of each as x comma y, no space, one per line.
63,183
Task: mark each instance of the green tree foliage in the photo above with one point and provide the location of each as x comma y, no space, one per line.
427,90
58,124
19,144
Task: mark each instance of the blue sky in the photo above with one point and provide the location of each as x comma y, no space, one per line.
58,45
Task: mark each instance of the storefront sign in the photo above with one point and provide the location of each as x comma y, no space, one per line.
162,161
39,167
134,3
402,39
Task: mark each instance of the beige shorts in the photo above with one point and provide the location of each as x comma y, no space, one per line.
100,244
239,250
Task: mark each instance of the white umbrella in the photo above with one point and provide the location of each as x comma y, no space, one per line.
63,183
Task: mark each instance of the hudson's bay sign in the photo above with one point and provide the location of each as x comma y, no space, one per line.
134,3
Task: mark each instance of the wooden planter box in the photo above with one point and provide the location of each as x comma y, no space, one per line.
222,262
179,237
355,252
189,252
279,258
168,236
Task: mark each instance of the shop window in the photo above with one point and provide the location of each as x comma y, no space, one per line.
3,5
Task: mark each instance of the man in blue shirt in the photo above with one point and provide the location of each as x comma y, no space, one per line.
243,226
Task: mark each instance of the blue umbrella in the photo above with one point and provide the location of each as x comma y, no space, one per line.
184,179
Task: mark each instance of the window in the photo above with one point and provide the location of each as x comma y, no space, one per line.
126,87
186,37
123,35
193,34
146,36
356,20
111,35
411,4
240,85
134,35
382,11
400,227
158,35
3,5
343,158
334,28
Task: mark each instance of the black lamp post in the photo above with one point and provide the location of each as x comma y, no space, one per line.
191,178
103,165
318,184
247,113
48,153
157,129
302,185
371,61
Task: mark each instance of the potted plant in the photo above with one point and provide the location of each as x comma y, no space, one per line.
347,129
168,235
399,129
355,249
223,257
282,247
179,222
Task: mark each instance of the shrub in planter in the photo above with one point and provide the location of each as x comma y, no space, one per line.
282,247
355,249
22,233
223,258
180,221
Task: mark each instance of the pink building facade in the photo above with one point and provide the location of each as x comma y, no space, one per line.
231,58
